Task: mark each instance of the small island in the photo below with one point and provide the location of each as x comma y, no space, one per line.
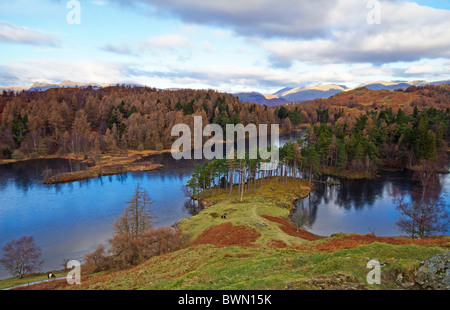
109,165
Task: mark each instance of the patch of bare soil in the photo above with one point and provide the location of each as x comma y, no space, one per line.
226,234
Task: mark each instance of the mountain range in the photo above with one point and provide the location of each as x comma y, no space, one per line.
38,86
282,96
296,94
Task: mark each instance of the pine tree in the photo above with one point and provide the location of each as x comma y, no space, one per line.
341,161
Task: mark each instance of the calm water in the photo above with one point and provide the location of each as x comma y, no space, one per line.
360,206
69,220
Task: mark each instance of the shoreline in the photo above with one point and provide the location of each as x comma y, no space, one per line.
110,164
98,171
222,203
80,158
348,174
106,164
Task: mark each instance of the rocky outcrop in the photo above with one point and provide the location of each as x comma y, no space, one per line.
337,281
434,273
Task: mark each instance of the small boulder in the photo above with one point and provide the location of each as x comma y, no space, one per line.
434,273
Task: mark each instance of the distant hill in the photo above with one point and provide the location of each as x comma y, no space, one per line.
292,94
362,99
255,97
297,94
65,84
385,85
312,92
40,87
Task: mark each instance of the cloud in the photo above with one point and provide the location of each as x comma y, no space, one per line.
288,18
408,32
10,33
235,79
420,69
322,31
121,49
165,42
220,77
25,72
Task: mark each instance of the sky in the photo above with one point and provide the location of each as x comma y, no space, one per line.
226,45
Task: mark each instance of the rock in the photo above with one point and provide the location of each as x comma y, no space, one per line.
434,273
260,224
404,281
335,281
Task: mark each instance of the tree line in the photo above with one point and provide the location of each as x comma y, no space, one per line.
114,119
380,138
248,173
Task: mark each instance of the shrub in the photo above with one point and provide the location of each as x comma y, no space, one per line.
129,250
6,153
98,260
17,155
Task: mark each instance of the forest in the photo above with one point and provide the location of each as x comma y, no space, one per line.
89,122
356,131
359,148
349,143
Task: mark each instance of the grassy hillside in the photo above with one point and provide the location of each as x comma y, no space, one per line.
357,101
234,267
256,247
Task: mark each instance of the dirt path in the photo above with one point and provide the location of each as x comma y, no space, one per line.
32,283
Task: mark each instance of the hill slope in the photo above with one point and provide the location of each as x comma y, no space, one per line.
256,247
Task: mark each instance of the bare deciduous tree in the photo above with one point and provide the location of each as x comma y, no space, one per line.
427,213
21,256
128,250
421,218
137,217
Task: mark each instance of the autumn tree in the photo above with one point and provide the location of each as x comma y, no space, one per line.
134,240
80,133
21,256
129,250
137,217
98,260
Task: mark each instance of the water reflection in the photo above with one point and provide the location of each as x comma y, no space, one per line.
193,207
356,206
70,219
27,174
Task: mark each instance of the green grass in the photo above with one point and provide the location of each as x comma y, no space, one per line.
209,267
11,282
248,212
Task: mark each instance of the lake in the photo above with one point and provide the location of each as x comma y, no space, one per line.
69,220
360,206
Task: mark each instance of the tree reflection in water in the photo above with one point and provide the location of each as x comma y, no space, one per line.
355,205
193,207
